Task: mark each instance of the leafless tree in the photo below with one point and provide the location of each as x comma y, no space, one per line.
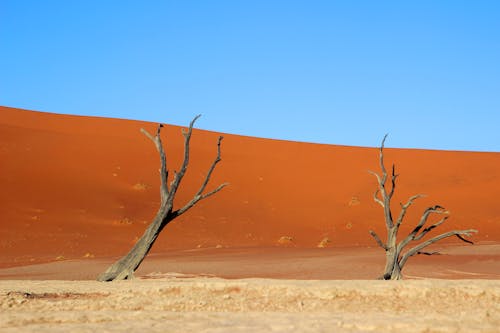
396,253
126,266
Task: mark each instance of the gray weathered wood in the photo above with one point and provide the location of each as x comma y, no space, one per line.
125,267
396,256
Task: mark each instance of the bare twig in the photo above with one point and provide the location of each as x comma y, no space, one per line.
381,161
376,199
393,181
428,253
459,236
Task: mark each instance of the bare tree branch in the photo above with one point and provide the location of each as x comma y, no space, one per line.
146,133
386,196
436,209
381,161
179,175
212,167
199,196
379,181
378,240
465,240
393,181
433,240
164,191
377,200
405,207
411,236
426,230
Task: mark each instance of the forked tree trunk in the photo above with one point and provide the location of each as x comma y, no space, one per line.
396,253
127,265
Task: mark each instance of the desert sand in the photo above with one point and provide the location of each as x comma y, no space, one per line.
284,248
252,305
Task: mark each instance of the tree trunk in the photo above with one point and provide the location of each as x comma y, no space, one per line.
396,272
391,255
124,268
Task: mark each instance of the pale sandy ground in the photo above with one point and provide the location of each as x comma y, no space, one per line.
297,290
250,305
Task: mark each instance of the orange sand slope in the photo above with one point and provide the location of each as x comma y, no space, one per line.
75,187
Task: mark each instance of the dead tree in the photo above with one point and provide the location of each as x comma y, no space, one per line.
126,266
396,253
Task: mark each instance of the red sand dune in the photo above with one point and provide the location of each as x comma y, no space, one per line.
75,187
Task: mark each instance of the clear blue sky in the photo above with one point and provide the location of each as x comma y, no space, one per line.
337,72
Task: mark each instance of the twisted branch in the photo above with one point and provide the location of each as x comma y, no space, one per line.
418,248
413,234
